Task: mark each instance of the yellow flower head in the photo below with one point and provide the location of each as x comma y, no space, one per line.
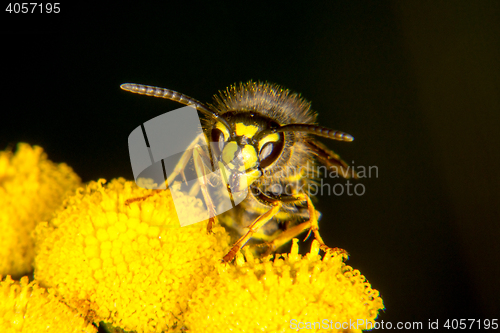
137,269
134,264
25,307
289,292
31,188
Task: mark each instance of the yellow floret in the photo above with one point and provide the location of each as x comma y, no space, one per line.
27,308
31,188
289,292
133,264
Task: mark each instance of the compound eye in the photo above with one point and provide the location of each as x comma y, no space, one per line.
219,140
270,152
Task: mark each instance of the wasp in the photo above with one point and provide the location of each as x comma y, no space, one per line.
273,132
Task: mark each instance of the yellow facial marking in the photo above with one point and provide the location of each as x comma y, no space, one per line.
249,156
224,172
246,130
229,151
223,129
269,138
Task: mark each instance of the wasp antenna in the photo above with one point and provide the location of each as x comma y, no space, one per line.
161,93
175,96
311,129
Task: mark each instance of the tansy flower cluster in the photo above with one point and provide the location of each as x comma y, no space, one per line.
133,263
273,295
31,188
25,307
131,266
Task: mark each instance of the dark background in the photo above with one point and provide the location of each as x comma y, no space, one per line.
416,83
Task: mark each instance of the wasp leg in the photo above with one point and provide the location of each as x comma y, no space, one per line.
195,189
285,237
179,169
181,165
211,180
313,227
259,222
131,200
201,172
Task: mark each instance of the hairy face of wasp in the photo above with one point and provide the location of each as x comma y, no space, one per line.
259,132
